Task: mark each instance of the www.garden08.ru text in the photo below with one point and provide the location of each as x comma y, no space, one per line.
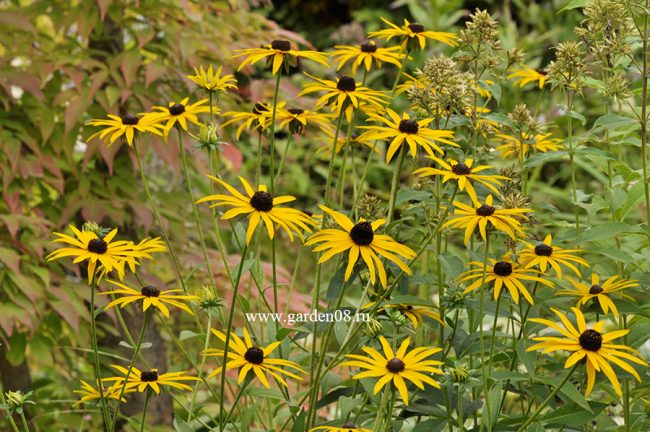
291,319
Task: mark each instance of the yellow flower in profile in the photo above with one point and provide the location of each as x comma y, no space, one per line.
262,207
398,367
246,356
524,75
347,427
404,130
365,54
464,173
512,145
601,292
412,82
325,150
258,118
151,379
592,344
343,92
179,112
360,239
413,32
546,255
127,125
500,274
89,393
212,81
501,219
296,120
150,296
279,52
415,313
88,246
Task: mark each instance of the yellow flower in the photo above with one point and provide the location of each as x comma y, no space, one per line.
410,83
415,313
405,130
545,255
326,150
360,239
150,296
364,54
502,273
347,427
179,112
397,366
343,92
262,206
127,125
502,219
88,246
89,393
279,52
151,379
297,119
211,81
593,344
513,146
412,32
259,118
525,75
248,357
601,292
464,173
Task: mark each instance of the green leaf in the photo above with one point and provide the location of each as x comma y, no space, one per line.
611,121
299,424
607,231
567,390
572,415
188,334
541,158
181,426
574,4
494,398
336,284
529,359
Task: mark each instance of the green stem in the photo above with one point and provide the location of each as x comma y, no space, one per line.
93,336
144,411
492,337
238,396
130,368
190,412
156,213
460,408
382,406
290,141
394,184
330,169
272,138
486,411
545,402
259,157
644,121
576,210
24,421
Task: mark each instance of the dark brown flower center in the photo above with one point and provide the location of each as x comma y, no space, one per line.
130,120
503,268
368,47
296,111
485,210
259,108
346,84
362,234
349,425
150,291
177,109
262,201
281,44
149,376
543,250
591,340
395,365
97,246
461,169
254,355
416,27
595,289
409,126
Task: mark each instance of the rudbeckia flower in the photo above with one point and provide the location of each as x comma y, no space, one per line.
360,239
500,274
398,367
128,125
295,120
179,112
259,118
413,32
600,291
151,379
464,173
279,52
246,356
546,255
150,296
501,219
347,427
404,130
262,206
89,393
211,81
513,145
415,313
525,75
365,54
591,344
343,92
325,150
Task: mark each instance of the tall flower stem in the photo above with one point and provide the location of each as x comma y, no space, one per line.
195,210
208,327
494,330
484,373
394,184
549,398
272,138
136,352
24,421
156,214
382,406
644,117
576,210
144,409
93,337
231,316
240,393
330,169
290,141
